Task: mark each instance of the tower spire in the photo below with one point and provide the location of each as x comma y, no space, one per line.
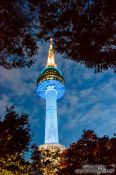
50,61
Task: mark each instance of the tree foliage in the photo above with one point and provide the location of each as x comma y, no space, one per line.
36,163
88,150
14,141
46,158
83,31
17,41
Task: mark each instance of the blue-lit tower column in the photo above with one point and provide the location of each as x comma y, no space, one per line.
51,125
50,86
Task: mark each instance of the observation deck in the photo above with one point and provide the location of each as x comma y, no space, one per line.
50,73
50,77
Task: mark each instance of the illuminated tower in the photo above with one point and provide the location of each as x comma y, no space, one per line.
50,86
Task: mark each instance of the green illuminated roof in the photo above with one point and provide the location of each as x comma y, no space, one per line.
50,68
50,73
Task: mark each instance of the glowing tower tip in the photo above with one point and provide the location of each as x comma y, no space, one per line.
51,61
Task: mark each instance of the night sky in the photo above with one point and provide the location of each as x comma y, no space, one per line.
89,101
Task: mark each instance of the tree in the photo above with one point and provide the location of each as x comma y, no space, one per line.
88,150
17,41
83,31
36,163
46,159
112,152
14,141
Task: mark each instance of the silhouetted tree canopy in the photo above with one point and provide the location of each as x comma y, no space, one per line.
88,150
14,141
83,31
36,163
17,41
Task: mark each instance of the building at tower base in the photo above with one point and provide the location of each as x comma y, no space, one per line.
50,158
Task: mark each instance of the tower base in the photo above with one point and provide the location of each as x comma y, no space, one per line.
50,158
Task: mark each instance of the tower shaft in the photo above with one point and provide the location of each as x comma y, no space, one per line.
51,125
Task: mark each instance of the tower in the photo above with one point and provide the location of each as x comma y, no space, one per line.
50,86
